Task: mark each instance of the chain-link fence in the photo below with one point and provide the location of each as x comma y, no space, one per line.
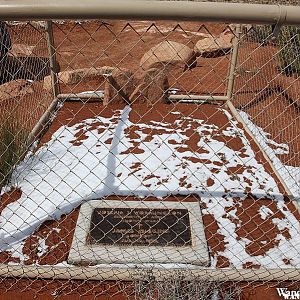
149,160
266,92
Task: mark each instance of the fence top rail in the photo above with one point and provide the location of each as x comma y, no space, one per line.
149,10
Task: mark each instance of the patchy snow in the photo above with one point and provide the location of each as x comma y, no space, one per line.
290,175
4,190
17,251
99,93
265,212
42,247
235,249
155,161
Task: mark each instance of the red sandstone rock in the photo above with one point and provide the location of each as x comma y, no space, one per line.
119,86
168,52
78,75
290,86
152,88
211,46
15,88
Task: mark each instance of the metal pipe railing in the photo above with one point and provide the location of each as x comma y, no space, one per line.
195,98
149,10
140,272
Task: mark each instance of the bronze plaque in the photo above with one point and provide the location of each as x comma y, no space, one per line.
140,227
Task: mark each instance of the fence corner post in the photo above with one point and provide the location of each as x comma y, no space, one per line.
233,61
52,58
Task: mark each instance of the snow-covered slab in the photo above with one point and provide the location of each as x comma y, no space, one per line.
149,232
94,152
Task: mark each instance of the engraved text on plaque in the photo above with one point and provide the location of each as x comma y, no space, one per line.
140,227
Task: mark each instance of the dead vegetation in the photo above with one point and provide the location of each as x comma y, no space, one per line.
13,140
176,288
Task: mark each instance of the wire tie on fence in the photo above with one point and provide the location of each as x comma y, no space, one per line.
280,21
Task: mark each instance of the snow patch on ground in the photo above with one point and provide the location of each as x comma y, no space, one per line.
42,247
17,251
235,249
265,212
290,175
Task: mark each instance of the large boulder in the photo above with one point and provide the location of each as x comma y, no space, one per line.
152,88
214,46
79,75
15,88
119,86
168,53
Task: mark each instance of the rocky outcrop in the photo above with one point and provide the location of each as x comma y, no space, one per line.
168,53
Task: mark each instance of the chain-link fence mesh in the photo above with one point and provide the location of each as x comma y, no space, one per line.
161,170
267,91
24,64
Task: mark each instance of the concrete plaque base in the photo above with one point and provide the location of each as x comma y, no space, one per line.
138,232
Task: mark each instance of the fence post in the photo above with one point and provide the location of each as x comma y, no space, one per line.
52,58
233,61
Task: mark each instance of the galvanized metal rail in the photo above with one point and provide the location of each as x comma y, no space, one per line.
149,10
139,272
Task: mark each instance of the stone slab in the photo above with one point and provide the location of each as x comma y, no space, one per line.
125,232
